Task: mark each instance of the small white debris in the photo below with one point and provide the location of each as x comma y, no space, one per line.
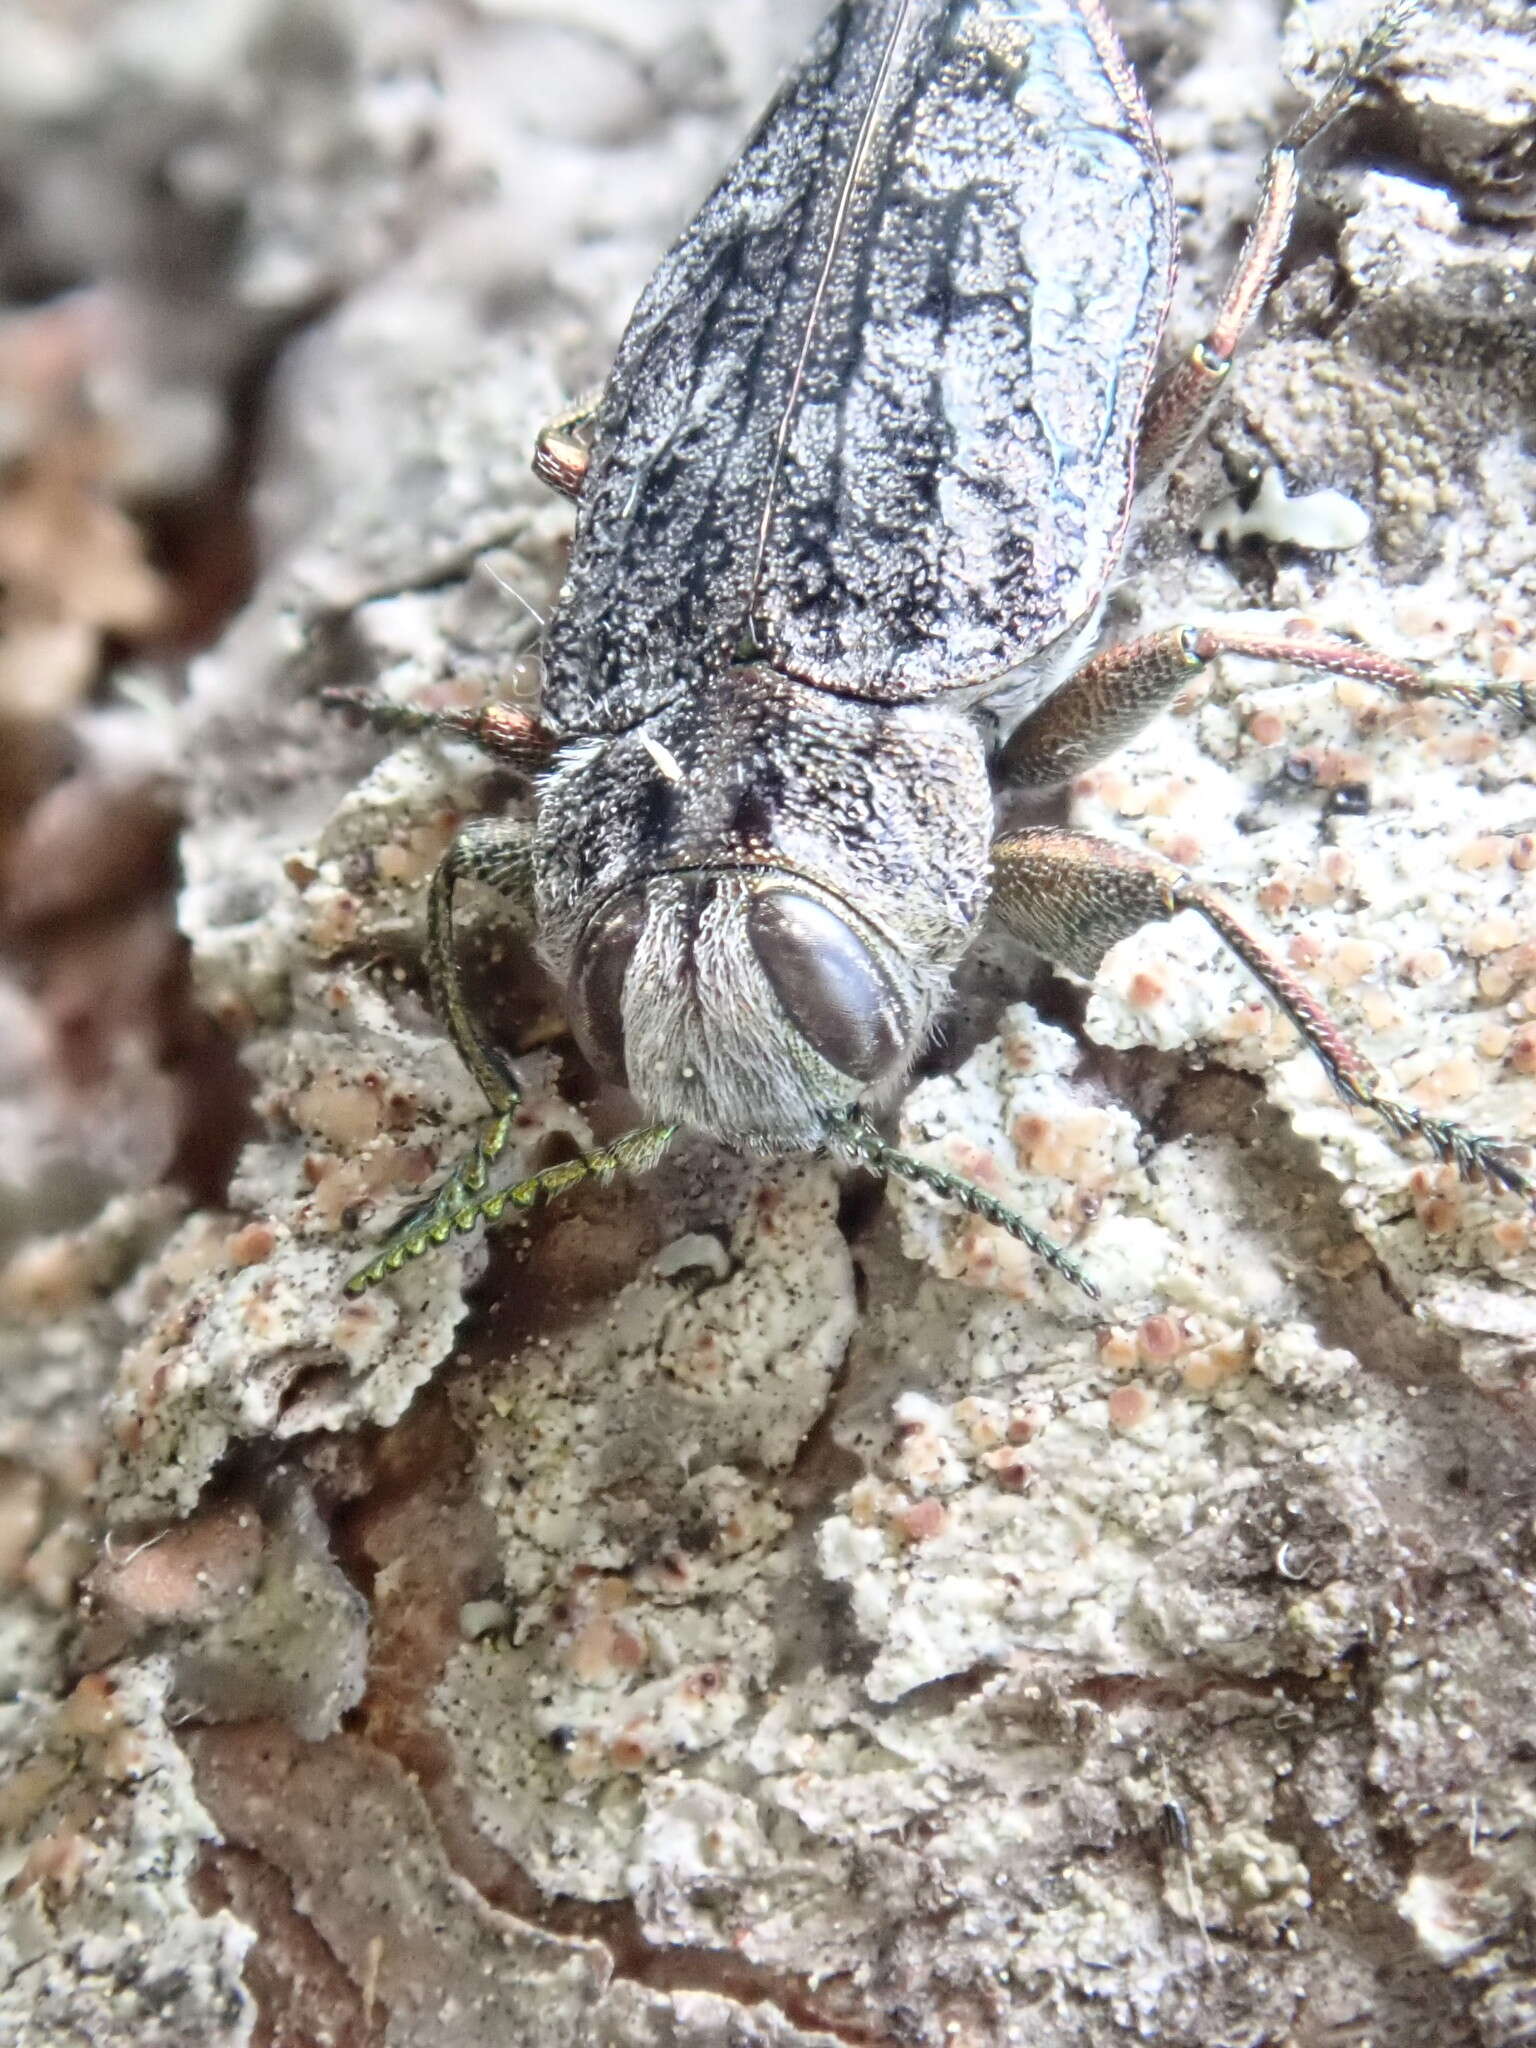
664,757
918,1411
1442,1914
697,1249
479,1618
1322,520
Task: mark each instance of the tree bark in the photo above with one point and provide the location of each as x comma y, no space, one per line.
739,1607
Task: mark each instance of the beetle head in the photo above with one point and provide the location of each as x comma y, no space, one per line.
756,900
747,1003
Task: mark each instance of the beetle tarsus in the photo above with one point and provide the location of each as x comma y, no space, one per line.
859,1139
459,1204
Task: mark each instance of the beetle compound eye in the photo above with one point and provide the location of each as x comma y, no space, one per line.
596,997
828,981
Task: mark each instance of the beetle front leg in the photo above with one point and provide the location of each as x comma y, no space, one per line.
1182,396
1117,692
498,853
1072,897
561,453
430,1227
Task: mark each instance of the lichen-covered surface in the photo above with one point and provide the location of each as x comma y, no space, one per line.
740,1609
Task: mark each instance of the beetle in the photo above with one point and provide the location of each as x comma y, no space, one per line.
848,508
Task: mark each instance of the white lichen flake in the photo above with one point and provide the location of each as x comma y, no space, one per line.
103,1937
635,1472
1069,1499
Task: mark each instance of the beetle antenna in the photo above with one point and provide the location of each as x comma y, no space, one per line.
857,1137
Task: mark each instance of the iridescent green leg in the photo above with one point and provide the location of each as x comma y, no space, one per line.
498,853
635,1152
1072,897
858,1138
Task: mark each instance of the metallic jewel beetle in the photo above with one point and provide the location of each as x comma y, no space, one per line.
849,505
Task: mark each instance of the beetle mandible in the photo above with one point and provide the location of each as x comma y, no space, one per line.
848,508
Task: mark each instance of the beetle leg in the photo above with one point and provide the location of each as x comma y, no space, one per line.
431,1227
1118,691
561,454
1099,706
1181,396
497,728
858,1138
498,853
1072,897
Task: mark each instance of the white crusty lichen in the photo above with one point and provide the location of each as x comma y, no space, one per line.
635,1468
1062,1485
1408,907
101,1829
244,1331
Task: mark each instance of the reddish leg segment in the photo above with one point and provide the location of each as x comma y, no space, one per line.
501,730
1182,396
1072,897
1113,695
561,453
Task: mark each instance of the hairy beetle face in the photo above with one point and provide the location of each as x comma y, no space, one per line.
743,1004
756,902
